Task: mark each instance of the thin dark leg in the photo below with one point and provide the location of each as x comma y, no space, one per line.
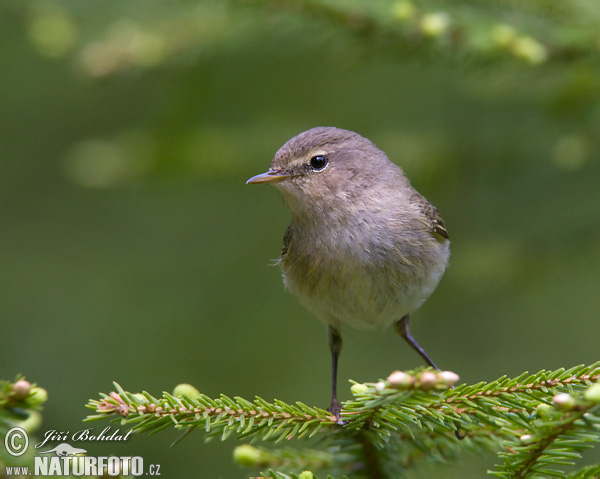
402,327
335,345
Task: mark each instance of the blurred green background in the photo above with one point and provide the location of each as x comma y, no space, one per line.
131,249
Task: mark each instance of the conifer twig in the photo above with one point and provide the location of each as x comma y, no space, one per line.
543,420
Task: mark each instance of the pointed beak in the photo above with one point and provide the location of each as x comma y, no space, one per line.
271,176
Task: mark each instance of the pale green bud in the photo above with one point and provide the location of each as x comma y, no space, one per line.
306,475
37,396
358,389
564,402
544,410
247,455
592,393
187,389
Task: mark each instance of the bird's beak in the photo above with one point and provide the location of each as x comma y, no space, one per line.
271,176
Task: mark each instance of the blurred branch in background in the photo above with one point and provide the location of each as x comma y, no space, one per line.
499,41
534,32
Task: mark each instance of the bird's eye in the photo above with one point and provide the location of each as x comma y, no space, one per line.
319,162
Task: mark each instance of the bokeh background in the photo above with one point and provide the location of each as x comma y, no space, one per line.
132,251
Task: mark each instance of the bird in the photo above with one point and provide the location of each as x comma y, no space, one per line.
363,249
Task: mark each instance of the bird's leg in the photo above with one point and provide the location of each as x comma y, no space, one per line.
402,327
335,345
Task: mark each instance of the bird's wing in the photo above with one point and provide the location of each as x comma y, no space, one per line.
287,238
432,214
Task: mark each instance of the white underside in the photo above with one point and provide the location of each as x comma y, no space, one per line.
362,297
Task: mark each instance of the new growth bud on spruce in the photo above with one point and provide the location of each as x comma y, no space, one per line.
400,380
564,402
428,380
359,388
592,393
21,389
38,396
186,389
447,378
526,439
247,455
544,410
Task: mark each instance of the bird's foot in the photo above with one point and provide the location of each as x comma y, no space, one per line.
335,408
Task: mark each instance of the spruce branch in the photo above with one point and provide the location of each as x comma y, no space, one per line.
588,471
21,403
543,421
555,437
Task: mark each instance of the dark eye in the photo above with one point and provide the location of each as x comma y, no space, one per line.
317,163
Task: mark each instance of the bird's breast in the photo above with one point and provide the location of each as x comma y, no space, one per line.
365,280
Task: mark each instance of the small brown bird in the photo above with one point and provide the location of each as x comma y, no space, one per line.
364,249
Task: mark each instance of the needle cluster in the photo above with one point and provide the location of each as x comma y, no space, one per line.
538,424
